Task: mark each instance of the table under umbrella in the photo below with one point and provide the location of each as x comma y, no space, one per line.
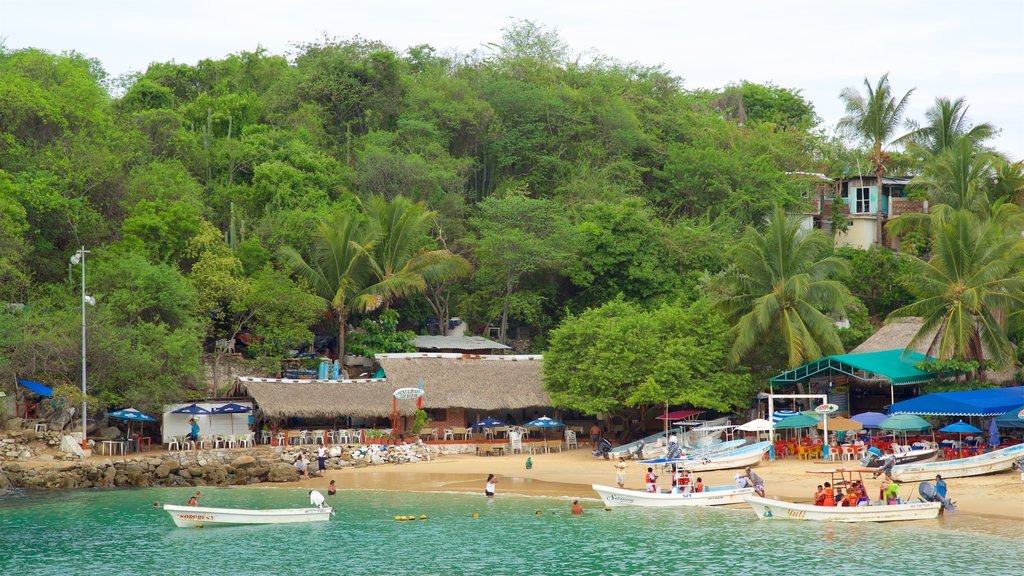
231,408
131,415
906,423
544,423
960,428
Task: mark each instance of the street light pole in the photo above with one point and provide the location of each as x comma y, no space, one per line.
79,257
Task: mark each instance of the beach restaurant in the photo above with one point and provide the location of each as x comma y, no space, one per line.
459,389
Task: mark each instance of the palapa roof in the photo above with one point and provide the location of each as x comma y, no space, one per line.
462,343
477,382
896,333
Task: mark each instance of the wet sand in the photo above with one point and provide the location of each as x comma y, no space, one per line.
993,503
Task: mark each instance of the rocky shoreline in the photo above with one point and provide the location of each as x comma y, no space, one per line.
224,467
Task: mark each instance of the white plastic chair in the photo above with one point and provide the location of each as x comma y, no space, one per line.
173,444
356,436
515,442
303,436
204,441
449,434
570,440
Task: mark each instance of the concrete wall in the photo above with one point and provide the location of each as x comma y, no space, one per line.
861,233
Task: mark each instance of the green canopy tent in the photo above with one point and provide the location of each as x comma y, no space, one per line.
906,423
797,422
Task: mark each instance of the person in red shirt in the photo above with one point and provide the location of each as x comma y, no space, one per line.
830,496
699,486
819,496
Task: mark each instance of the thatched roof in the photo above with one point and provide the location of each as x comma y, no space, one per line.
479,382
449,381
896,333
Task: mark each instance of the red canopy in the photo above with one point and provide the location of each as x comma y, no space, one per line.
680,414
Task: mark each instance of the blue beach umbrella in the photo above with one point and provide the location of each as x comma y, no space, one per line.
960,428
543,423
993,433
488,423
192,409
232,408
1012,419
870,419
131,415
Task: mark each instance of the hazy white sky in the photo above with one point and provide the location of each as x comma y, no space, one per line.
940,47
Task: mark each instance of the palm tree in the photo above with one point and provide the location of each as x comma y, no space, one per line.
398,264
945,124
337,271
874,119
782,283
967,289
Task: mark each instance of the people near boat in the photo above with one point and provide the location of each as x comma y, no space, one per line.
156,504
862,493
756,481
316,499
490,486
742,481
890,491
940,486
193,501
819,496
840,498
853,497
300,467
321,458
332,488
193,434
829,498
680,480
595,433
651,480
699,486
577,510
620,472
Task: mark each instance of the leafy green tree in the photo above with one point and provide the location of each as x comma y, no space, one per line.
783,282
635,358
518,236
381,336
966,290
874,118
875,279
946,123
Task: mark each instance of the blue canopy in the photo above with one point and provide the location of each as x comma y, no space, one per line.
543,422
960,427
870,419
231,409
1013,418
989,402
131,414
37,388
191,409
778,415
488,423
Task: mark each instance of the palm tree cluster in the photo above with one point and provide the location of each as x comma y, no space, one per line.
361,262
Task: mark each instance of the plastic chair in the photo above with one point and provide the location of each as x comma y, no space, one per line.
204,441
515,442
173,444
264,437
570,440
449,433
280,438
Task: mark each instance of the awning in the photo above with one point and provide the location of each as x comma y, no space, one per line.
36,387
679,414
888,366
990,402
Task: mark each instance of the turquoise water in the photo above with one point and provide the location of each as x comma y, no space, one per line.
119,532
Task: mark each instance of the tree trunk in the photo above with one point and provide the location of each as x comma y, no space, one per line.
503,330
342,320
879,174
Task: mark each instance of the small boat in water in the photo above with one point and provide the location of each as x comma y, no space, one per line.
740,457
988,463
767,509
201,516
710,496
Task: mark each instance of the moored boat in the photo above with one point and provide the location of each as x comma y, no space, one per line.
767,509
991,462
201,516
925,455
740,457
710,496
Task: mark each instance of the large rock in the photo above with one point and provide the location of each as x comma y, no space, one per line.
243,461
29,436
282,473
109,433
162,471
14,424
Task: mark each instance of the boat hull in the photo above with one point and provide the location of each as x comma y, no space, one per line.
767,509
989,463
926,455
741,458
712,496
201,516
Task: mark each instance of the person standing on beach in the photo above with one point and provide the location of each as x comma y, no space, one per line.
321,458
620,472
489,487
595,434
756,481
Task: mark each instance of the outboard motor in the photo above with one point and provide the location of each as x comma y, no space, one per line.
603,448
930,494
886,467
674,451
638,454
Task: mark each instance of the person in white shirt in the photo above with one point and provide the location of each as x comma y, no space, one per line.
321,458
489,488
316,498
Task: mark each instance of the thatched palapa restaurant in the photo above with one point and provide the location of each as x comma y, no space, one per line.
458,389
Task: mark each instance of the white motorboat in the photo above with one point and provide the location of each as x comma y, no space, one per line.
741,457
710,496
201,516
767,509
995,461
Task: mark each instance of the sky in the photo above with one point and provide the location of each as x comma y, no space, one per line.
973,49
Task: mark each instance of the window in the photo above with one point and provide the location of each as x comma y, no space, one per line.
862,200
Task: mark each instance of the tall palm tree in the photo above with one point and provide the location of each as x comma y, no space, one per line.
967,289
782,282
945,124
874,118
337,270
398,264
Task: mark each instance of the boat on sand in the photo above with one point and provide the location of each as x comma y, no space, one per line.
710,496
988,463
741,457
202,516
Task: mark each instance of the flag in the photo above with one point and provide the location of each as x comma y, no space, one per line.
419,401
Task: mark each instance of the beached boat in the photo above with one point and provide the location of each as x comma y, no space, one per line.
925,455
201,516
710,496
995,461
767,509
736,458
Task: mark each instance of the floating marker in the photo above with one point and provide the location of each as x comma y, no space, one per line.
475,515
423,516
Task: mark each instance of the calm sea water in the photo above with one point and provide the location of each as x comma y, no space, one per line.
119,532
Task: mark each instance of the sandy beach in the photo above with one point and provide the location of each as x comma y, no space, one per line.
570,474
